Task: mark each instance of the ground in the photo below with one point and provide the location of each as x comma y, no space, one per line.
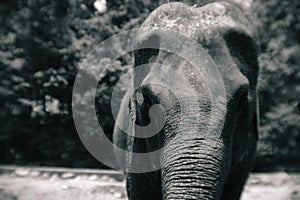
69,184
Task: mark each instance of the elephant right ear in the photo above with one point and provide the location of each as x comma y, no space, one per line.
255,122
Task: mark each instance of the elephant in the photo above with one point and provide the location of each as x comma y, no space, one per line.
195,165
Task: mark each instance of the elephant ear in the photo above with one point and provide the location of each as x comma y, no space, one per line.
245,49
255,122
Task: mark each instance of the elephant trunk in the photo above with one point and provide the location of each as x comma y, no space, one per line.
193,162
193,170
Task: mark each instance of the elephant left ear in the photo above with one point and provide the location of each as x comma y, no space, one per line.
255,122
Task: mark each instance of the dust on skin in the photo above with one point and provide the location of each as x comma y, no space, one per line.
200,23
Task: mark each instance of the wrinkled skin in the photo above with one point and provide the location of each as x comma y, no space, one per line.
196,166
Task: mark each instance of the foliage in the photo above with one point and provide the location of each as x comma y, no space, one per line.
43,42
279,82
37,74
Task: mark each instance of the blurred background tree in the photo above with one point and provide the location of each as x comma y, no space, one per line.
43,42
279,25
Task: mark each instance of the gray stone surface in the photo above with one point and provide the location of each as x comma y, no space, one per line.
53,183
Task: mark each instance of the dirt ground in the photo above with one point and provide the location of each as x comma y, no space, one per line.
24,184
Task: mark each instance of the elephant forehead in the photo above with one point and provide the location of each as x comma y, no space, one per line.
199,23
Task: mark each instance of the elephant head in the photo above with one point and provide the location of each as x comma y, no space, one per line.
206,155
